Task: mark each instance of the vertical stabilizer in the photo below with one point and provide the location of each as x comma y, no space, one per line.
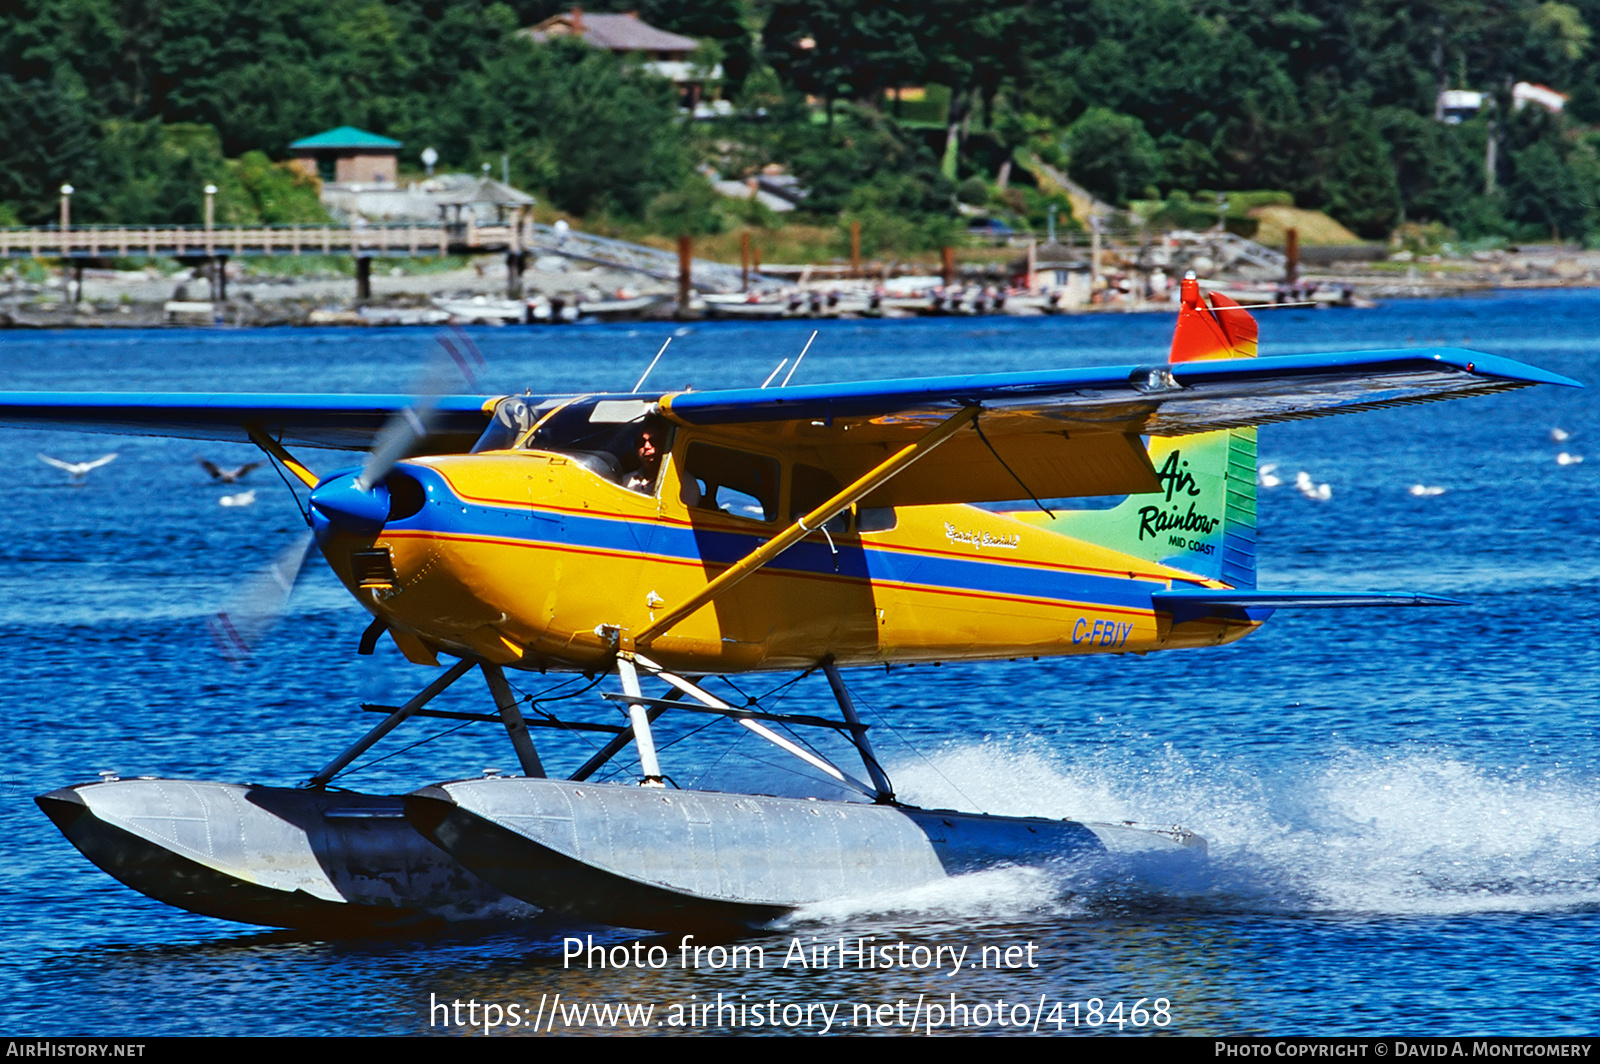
1204,518
1222,329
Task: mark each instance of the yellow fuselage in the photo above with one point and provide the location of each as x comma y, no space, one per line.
527,558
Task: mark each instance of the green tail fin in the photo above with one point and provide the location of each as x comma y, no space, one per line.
1202,521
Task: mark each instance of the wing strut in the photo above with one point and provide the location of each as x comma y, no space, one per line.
855,492
290,462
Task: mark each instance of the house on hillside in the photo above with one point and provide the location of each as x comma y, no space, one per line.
347,156
664,53
1525,92
1457,105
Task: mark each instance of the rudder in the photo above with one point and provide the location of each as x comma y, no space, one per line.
1204,519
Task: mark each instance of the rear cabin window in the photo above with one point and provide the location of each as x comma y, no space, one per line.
735,482
875,519
809,489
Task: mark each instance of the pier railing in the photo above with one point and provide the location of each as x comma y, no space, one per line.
391,240
182,241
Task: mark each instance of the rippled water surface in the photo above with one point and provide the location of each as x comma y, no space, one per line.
1400,804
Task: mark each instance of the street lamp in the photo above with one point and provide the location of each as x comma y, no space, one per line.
66,220
211,193
429,157
1052,223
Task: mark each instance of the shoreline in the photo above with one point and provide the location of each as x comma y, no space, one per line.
150,299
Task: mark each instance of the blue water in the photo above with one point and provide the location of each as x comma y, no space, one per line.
1401,804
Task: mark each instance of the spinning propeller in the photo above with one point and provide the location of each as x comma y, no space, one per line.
356,503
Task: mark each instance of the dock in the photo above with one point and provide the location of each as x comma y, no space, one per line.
209,247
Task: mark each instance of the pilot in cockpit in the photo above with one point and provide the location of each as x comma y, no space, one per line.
647,452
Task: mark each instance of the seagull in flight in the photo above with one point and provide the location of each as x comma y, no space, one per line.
226,476
78,470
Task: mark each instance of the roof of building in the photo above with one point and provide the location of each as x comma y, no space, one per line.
344,137
1526,92
616,33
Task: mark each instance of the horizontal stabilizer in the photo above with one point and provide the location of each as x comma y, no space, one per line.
1283,600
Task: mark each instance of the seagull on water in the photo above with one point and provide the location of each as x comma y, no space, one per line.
1316,492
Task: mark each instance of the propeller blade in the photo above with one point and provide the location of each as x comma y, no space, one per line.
239,627
395,441
360,502
458,359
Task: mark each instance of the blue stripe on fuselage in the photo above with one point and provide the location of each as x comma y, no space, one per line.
698,544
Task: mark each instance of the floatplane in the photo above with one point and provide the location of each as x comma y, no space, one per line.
659,539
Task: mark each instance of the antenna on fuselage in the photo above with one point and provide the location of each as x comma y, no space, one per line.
652,366
796,365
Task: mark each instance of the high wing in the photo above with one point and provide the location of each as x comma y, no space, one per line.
340,422
1060,433
1067,433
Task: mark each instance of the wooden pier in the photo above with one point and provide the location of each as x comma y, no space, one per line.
193,241
211,246
83,246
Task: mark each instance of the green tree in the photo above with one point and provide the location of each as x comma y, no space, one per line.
49,134
1546,192
867,160
1113,155
153,172
589,129
1362,190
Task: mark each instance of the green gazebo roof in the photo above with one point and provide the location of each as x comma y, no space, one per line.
344,137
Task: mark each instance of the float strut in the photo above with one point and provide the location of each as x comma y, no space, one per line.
506,701
756,726
858,735
620,740
649,765
390,723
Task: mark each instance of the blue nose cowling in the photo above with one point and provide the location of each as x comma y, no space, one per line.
350,508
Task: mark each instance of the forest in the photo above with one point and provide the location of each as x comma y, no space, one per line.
890,113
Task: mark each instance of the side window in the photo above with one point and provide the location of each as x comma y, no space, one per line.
734,482
809,488
875,519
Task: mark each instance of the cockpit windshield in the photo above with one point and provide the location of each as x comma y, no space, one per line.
513,417
620,439
583,423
